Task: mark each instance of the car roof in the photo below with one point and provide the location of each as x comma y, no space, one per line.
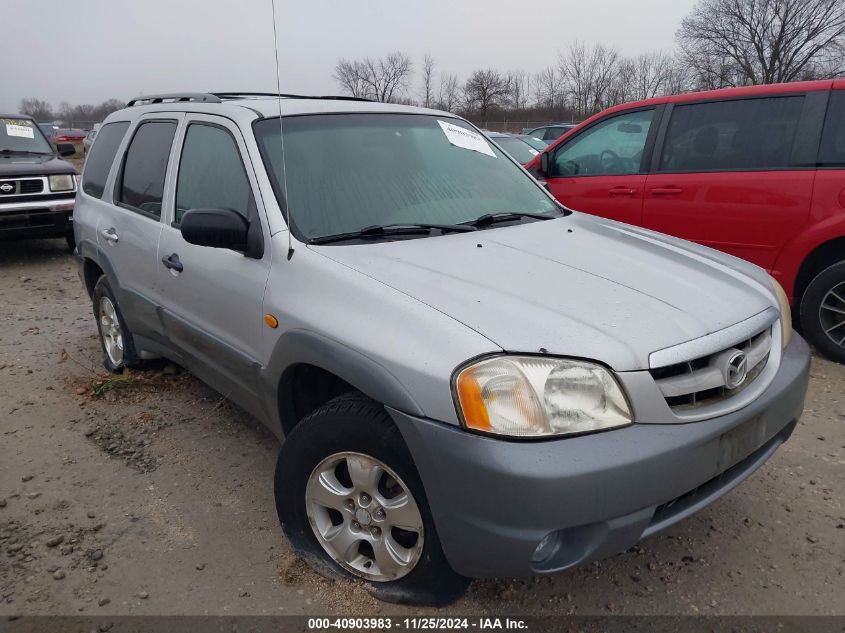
16,116
251,107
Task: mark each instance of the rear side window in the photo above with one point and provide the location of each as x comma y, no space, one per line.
211,173
141,185
832,150
731,135
101,157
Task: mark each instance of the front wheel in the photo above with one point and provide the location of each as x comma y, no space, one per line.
351,503
823,312
70,238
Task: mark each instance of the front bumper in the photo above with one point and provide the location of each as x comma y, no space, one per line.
41,218
493,501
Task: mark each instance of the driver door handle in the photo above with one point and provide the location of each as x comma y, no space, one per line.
110,234
172,262
623,191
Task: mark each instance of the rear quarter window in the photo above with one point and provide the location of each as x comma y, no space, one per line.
742,134
101,156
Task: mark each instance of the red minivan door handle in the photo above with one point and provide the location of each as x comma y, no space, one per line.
666,191
622,191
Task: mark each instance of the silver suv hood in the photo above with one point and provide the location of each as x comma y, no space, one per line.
577,286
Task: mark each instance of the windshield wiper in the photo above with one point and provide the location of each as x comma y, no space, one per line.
22,151
492,218
387,230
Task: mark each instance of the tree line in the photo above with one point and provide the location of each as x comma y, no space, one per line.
721,43
69,115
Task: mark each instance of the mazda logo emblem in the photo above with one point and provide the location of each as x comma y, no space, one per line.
6,187
736,370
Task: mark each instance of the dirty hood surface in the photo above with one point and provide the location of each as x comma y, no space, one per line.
575,286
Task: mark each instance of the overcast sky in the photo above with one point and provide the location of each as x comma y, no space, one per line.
86,51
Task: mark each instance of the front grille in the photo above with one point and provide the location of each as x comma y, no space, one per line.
705,380
22,187
30,186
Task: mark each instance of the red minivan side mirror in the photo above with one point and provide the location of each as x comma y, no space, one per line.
544,163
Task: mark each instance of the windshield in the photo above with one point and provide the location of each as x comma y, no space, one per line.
22,135
346,172
519,149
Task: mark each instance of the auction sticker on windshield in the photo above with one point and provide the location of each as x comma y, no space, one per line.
467,139
22,129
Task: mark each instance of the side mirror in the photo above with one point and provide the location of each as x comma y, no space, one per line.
217,228
65,149
544,163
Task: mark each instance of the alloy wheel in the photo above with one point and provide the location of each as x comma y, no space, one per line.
364,516
110,331
832,314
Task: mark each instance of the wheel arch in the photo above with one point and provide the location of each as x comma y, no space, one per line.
821,257
312,369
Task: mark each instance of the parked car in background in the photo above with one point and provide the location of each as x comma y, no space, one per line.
49,130
37,187
756,172
549,132
521,147
70,135
89,139
471,380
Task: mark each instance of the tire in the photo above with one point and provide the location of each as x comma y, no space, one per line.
360,428
129,356
70,238
823,312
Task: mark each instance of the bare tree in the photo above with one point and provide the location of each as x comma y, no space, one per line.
733,42
642,77
386,78
383,79
589,75
427,92
350,76
547,88
520,85
449,94
485,89
36,108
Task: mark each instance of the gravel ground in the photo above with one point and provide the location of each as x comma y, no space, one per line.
152,495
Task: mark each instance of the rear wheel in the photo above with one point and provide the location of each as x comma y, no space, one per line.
351,503
823,312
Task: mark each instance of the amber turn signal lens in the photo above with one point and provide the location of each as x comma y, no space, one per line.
271,321
472,404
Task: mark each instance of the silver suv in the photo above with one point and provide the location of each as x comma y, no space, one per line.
470,379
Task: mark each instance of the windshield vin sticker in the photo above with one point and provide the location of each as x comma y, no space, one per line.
461,137
23,131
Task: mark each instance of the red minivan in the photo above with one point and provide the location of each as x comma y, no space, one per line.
757,172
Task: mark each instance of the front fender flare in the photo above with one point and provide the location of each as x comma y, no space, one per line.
297,347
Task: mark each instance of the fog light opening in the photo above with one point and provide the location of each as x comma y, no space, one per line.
546,548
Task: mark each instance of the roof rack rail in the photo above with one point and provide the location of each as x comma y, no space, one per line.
179,97
237,95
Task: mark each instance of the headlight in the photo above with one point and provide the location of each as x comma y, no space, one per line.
785,311
62,182
536,396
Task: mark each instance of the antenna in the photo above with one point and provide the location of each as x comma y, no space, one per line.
281,132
